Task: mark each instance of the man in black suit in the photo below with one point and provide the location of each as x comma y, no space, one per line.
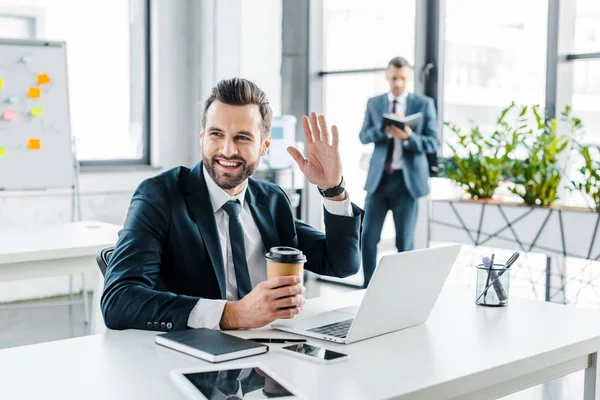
191,253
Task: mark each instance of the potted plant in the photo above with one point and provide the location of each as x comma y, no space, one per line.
480,160
590,173
536,178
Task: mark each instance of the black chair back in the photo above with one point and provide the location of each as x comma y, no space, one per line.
103,257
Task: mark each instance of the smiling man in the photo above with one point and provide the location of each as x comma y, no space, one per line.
191,253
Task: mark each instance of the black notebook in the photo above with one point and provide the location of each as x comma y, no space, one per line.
210,345
412,120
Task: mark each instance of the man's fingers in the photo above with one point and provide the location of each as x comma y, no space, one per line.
290,312
307,132
314,127
281,281
295,301
297,156
335,137
287,291
324,130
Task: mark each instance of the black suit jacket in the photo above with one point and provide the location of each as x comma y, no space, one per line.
168,255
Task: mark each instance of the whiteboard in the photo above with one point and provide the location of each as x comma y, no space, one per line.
35,129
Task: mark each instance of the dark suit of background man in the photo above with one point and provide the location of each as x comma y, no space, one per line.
399,170
192,250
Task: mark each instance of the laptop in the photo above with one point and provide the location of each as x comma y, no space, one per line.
401,294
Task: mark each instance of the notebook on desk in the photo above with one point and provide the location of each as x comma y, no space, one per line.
210,345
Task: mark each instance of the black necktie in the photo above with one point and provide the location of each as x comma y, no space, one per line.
236,237
390,150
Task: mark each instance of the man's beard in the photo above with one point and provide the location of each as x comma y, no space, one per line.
226,180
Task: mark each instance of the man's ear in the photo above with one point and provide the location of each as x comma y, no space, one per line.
265,146
201,136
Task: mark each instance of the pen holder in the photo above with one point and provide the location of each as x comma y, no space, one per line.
492,286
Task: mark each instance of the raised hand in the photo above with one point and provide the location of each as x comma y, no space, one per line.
322,165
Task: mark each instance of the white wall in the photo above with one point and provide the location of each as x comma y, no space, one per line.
250,47
195,43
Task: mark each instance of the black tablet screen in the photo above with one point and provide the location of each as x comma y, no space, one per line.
236,384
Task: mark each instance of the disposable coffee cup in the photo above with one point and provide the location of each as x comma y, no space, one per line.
285,261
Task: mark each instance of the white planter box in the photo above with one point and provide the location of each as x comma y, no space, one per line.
548,230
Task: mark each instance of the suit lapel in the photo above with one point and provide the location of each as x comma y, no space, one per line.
411,105
262,216
385,105
198,202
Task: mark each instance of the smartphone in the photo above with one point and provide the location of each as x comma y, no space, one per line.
318,354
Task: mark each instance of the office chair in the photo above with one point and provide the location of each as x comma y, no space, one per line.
103,257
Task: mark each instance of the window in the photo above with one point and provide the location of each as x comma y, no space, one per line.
587,26
360,34
586,72
345,102
107,60
499,56
16,26
359,39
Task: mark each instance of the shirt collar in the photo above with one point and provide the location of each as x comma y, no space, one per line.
400,99
218,196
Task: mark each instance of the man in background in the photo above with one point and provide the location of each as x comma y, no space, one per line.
399,169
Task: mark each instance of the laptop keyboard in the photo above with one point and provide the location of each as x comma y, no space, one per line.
338,329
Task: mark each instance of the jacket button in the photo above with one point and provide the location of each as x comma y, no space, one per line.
169,325
163,326
156,325
149,325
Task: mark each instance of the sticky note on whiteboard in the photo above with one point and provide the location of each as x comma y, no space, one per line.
10,115
43,79
2,151
1,83
37,111
34,93
13,99
34,144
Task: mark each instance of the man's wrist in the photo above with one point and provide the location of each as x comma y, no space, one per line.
340,197
230,318
333,191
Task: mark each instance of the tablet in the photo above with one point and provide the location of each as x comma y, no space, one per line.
235,381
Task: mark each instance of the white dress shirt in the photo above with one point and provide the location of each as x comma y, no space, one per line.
400,109
207,312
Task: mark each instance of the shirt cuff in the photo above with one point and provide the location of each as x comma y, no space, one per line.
207,313
342,208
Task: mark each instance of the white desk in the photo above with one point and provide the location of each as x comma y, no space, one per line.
463,351
53,250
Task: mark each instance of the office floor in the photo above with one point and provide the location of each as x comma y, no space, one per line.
32,325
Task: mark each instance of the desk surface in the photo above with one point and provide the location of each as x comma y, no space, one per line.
461,349
50,242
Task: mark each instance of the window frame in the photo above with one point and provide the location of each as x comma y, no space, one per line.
428,52
428,64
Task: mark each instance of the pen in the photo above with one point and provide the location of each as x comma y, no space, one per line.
488,276
269,340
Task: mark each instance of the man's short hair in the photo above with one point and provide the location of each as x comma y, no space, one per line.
241,92
398,62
